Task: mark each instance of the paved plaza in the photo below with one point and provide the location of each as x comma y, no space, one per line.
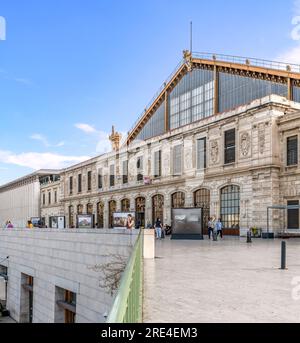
225,281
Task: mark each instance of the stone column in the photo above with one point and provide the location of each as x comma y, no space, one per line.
105,214
148,209
167,210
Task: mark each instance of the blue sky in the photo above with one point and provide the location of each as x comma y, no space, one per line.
69,69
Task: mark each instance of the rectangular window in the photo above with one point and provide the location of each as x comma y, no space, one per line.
201,154
177,160
65,308
157,164
26,299
79,183
125,172
55,196
112,175
89,175
71,184
100,181
229,146
292,151
139,167
49,198
293,215
44,199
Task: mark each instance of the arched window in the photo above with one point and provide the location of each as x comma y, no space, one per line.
202,200
230,209
178,200
112,205
140,205
89,208
80,209
71,216
125,205
100,215
140,208
158,207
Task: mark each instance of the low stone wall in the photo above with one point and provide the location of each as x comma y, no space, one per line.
61,258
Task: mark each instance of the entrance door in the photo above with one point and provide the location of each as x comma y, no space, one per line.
140,205
293,216
112,205
158,208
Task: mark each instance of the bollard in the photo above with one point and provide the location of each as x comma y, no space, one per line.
249,238
283,255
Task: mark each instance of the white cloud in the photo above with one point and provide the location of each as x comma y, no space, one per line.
104,144
44,140
297,7
38,161
291,56
24,81
86,128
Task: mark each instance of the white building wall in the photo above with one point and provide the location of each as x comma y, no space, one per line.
19,204
61,258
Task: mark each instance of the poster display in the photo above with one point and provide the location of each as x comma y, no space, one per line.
123,220
85,221
61,222
187,223
57,222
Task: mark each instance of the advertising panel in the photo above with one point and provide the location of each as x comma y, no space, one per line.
85,221
187,223
124,220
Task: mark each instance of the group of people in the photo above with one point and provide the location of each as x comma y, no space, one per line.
215,228
161,230
9,225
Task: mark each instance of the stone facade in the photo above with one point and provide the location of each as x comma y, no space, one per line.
259,169
51,205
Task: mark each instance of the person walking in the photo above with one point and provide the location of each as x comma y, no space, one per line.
209,227
130,222
29,225
158,228
214,229
219,227
9,225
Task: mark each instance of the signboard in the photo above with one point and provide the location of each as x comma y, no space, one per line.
123,220
85,221
187,223
57,222
61,222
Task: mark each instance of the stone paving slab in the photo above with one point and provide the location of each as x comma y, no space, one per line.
226,281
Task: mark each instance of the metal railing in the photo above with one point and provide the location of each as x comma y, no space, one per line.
248,60
157,94
128,303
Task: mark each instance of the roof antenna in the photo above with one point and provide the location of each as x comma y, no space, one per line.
191,37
